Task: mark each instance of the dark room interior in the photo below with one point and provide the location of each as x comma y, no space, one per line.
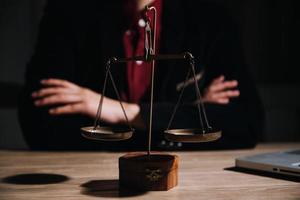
149,99
270,40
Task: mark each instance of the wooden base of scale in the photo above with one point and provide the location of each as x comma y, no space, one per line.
157,172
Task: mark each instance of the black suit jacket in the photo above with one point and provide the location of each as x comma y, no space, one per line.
77,38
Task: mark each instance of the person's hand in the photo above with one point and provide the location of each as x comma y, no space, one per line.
220,91
65,97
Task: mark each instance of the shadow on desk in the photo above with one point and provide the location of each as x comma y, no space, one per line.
265,174
107,188
35,179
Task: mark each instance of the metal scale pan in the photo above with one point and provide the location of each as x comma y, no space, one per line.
192,135
106,133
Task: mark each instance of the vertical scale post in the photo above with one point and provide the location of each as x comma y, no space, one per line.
150,50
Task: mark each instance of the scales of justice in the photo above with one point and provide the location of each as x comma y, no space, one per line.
147,170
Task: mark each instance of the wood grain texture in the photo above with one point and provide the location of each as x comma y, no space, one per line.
94,175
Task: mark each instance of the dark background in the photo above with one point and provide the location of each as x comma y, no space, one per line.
270,35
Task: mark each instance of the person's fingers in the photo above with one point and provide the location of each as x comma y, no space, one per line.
50,91
224,85
58,99
223,101
219,79
226,94
66,109
58,82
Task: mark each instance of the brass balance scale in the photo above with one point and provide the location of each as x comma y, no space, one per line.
147,170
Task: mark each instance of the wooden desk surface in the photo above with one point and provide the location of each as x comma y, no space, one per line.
94,175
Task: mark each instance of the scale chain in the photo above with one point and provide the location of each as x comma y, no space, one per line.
98,115
119,98
179,99
99,111
200,103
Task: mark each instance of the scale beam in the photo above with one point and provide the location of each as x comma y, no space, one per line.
184,56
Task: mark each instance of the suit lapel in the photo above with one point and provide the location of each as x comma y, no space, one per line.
172,40
112,29
172,25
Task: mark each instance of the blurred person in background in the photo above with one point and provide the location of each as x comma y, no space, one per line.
76,38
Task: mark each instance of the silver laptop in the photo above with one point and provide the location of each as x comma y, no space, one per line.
285,162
